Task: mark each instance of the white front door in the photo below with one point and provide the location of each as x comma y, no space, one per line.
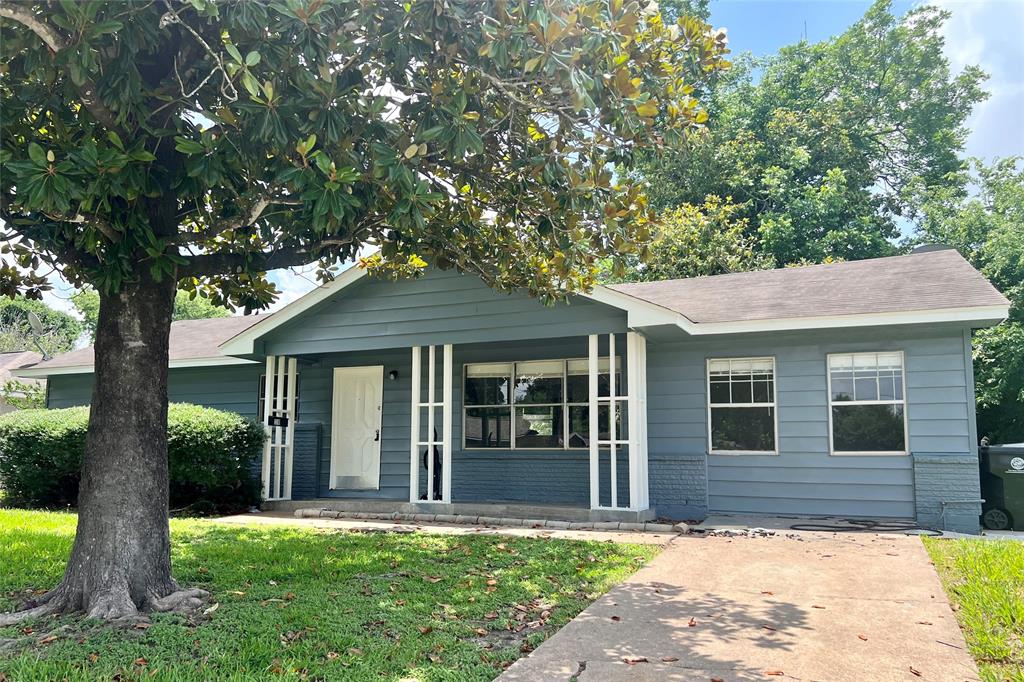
355,428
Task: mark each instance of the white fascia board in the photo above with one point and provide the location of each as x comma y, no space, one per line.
243,343
981,315
640,313
43,372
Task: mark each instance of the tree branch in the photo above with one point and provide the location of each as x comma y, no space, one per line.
207,264
56,43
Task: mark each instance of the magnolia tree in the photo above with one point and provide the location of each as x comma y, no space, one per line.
198,144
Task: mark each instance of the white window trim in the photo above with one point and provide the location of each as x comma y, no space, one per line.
773,404
906,430
512,404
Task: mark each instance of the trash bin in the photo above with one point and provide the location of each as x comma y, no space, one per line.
1002,487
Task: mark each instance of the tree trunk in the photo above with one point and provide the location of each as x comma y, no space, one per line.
121,560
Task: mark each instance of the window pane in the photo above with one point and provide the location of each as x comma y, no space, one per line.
719,391
763,391
867,428
578,389
539,426
579,424
741,391
842,386
487,384
487,427
865,386
743,428
539,382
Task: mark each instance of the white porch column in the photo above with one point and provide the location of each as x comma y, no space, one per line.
414,428
279,385
432,441
636,381
595,461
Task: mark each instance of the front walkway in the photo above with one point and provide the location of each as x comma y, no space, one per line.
805,606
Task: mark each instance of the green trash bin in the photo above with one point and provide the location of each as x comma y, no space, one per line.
1002,487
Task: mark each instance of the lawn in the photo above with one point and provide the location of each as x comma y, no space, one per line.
985,582
310,604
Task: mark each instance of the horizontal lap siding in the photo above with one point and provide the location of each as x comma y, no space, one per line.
438,308
804,478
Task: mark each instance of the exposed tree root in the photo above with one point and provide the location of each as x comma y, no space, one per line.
111,604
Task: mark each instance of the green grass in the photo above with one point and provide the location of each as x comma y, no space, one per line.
307,604
985,582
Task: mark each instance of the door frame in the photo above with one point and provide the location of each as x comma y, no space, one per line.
337,379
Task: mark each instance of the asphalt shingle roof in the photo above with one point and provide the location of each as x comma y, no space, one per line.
190,339
929,280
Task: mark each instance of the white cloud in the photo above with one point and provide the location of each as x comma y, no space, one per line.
988,33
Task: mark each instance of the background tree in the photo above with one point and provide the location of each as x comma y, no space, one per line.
196,145
824,146
61,330
695,241
988,229
186,307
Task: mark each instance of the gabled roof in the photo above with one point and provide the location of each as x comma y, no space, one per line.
922,287
937,284
193,343
13,360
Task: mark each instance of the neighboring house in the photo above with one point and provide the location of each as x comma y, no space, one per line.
11,361
842,389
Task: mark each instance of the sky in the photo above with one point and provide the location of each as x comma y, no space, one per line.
983,32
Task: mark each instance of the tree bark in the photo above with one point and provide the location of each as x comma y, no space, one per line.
121,560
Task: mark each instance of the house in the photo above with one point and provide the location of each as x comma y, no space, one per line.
10,361
840,389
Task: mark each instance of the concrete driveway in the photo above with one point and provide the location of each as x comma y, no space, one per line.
805,606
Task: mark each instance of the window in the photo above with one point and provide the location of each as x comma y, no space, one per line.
741,405
263,395
541,404
866,403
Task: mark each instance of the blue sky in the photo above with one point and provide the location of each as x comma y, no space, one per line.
984,32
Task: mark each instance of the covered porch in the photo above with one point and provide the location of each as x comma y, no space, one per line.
541,429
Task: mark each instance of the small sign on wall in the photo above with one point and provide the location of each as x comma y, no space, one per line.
277,420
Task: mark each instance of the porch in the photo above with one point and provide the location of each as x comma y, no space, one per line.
511,434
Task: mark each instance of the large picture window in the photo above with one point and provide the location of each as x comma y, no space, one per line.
867,407
741,406
540,404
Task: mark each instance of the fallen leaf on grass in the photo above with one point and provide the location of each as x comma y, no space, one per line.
633,660
491,616
143,625
481,632
141,662
210,610
434,658
355,652
331,655
27,631
433,578
48,640
93,658
426,630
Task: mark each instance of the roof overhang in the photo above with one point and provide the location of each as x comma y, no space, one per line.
641,313
42,371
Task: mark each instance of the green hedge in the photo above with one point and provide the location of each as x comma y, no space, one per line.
212,457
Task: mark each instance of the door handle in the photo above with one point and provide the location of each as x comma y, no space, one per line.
377,436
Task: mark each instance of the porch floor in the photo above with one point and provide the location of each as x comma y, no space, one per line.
515,510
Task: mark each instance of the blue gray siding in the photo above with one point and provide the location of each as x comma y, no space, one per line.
440,307
804,478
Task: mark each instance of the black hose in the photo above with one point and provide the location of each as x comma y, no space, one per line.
866,526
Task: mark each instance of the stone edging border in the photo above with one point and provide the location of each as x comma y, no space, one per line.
462,519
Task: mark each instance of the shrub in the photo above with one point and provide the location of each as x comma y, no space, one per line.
211,457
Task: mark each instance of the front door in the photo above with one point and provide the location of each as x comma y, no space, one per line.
355,428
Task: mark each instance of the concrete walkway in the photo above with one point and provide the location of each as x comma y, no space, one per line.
805,606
